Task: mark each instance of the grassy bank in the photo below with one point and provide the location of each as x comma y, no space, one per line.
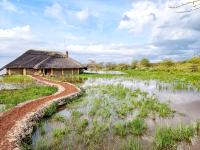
32,90
181,77
16,79
10,98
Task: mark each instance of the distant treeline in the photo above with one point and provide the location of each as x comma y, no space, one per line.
189,65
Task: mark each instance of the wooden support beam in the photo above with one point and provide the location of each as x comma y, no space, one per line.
62,72
51,71
24,71
8,72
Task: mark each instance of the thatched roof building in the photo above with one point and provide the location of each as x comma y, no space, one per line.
44,62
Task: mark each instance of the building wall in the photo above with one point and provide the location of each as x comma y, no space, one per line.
60,72
56,72
20,71
30,71
17,71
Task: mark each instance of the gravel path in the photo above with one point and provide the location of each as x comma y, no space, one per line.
11,117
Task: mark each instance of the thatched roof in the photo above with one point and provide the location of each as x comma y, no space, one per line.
43,59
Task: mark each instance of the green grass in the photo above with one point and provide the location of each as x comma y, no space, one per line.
93,75
76,115
181,79
95,134
11,98
49,111
132,144
41,128
16,79
136,127
119,128
59,133
167,138
82,125
59,118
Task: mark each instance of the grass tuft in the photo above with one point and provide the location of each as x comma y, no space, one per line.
48,112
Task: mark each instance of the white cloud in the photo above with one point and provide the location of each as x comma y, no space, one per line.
55,11
169,31
142,13
16,33
113,52
16,40
82,15
7,5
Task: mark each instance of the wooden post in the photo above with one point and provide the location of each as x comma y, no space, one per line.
62,72
72,71
8,72
78,71
24,71
51,71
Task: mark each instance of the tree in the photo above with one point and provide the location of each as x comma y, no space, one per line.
110,66
123,66
92,65
167,63
134,64
144,63
194,60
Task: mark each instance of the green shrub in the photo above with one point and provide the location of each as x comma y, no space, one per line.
50,110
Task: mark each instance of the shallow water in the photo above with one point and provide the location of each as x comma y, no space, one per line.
11,86
163,91
185,101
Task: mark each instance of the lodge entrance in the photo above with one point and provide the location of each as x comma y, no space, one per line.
47,71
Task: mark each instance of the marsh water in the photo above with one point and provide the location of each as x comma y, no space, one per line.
185,100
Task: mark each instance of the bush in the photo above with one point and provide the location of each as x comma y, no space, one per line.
167,63
144,63
50,110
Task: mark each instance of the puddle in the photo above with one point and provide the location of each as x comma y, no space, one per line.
11,86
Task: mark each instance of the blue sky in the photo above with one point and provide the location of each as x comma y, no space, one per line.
102,30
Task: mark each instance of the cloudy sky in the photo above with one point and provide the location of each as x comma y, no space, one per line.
104,30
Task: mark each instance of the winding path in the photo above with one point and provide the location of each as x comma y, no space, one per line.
9,119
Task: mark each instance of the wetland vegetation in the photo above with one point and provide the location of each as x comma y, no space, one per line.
118,113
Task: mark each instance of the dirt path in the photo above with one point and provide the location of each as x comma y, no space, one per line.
9,119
